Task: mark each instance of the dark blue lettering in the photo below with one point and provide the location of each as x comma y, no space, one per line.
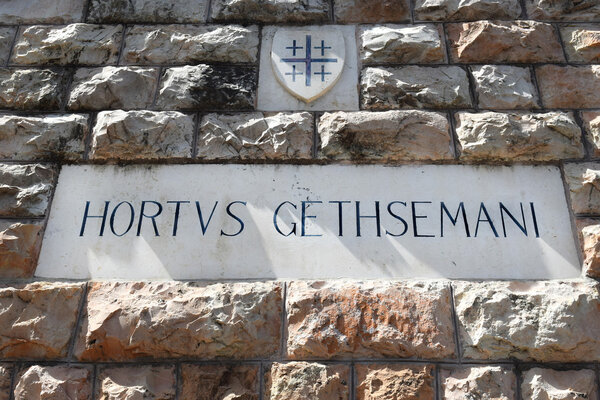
305,217
177,203
340,204
228,210
415,217
86,216
152,217
112,218
487,219
389,208
293,231
461,208
503,210
202,225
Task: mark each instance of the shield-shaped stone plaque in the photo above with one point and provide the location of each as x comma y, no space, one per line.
308,63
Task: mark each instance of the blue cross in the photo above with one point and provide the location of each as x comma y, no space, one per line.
294,47
308,60
293,73
322,73
322,47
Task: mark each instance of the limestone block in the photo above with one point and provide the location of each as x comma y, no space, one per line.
582,42
303,380
548,384
339,319
584,187
589,238
569,87
504,42
190,44
75,44
5,381
401,44
457,10
256,136
504,87
142,135
7,34
366,11
565,10
31,89
485,383
19,248
208,88
518,136
385,136
147,11
270,11
220,382
415,87
591,122
54,382
137,382
55,136
130,320
113,88
37,319
41,11
542,321
25,189
393,381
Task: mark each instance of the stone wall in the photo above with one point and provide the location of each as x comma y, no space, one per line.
155,81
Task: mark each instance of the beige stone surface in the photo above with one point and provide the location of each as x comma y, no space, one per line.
582,42
303,380
25,189
589,238
37,319
402,44
394,382
504,42
147,11
504,87
548,384
338,319
54,382
270,11
7,34
384,136
108,88
569,87
19,248
41,11
142,135
564,10
591,123
584,187
457,10
220,382
258,136
542,321
31,89
5,381
125,321
518,136
482,383
137,383
366,11
188,44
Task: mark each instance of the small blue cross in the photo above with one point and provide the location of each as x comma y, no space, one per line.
308,60
322,47
322,73
294,47
293,73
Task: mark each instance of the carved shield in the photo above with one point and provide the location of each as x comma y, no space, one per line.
308,63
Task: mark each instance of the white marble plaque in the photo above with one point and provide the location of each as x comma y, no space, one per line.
285,221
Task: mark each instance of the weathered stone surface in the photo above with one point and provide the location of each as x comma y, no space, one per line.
137,382
591,122
457,10
256,136
54,382
142,135
147,11
19,248
569,87
582,42
369,319
548,384
174,319
31,89
41,11
302,380
113,88
270,11
365,11
220,382
5,381
7,34
504,87
589,238
504,42
37,319
189,44
385,136
402,44
43,136
25,189
415,87
584,187
208,87
485,383
518,136
563,10
542,321
390,382
78,44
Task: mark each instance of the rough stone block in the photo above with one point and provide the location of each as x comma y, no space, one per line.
31,89
456,10
401,44
54,382
415,87
518,136
591,122
270,11
589,238
582,42
208,88
131,320
113,88
25,189
147,11
548,384
7,33
489,383
19,248
393,381
41,11
339,319
569,87
142,135
366,11
190,44
504,42
566,10
584,186
542,321
75,44
504,87
385,136
5,381
37,319
51,136
256,136
303,380
137,382
220,382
